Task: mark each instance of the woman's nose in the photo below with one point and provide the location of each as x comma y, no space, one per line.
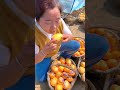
53,26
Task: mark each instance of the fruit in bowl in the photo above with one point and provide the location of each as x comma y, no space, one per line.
81,50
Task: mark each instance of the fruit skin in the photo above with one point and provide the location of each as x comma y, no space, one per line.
107,56
71,73
77,54
61,68
60,80
58,87
62,60
112,63
65,75
56,62
66,70
68,61
82,64
69,79
53,82
54,69
73,66
66,85
58,37
51,75
81,70
102,65
58,74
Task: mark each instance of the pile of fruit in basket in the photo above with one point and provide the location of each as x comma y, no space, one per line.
61,77
69,62
81,69
81,51
112,57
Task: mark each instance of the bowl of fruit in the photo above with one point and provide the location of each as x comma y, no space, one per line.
61,77
81,69
110,61
81,50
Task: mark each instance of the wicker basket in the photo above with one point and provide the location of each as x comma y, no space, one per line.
72,83
80,60
81,56
89,85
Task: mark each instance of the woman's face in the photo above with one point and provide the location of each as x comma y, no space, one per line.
50,20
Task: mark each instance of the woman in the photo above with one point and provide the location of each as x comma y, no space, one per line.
49,22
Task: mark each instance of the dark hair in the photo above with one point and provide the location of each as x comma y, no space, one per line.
43,5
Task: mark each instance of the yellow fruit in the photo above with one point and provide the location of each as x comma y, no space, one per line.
82,70
107,56
62,60
112,63
68,61
66,70
65,75
73,66
71,73
116,54
51,75
66,85
56,62
102,65
58,74
61,68
69,79
77,54
82,52
82,64
54,69
53,82
58,87
57,37
60,80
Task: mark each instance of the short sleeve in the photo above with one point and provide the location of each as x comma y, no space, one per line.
4,55
66,30
36,49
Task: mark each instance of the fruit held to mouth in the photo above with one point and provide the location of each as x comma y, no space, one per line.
58,37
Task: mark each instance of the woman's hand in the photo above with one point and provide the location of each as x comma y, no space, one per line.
49,47
67,37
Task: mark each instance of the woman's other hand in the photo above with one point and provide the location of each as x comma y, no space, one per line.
67,37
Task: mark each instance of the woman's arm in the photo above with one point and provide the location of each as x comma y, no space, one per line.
41,54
